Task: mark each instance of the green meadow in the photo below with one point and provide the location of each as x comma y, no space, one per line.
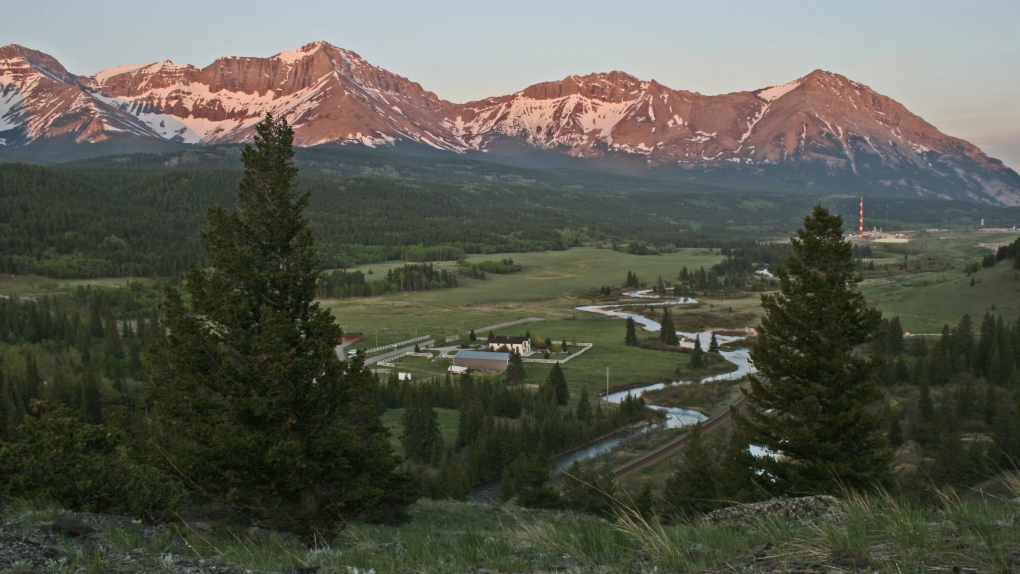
935,289
551,284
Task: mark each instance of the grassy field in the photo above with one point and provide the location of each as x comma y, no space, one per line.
550,286
934,289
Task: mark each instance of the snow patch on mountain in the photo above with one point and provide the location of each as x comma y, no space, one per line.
101,77
775,92
291,56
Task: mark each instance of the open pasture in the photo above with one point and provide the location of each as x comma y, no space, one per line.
551,284
934,289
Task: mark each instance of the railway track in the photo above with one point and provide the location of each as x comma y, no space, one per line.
668,450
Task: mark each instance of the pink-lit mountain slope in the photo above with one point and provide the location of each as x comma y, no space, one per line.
819,126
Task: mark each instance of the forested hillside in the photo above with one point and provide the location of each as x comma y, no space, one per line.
89,221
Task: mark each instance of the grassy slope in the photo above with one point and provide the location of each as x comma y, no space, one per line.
940,292
877,534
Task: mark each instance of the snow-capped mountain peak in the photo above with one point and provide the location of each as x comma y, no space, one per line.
821,121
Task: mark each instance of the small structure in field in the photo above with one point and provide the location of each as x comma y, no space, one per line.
482,361
404,376
522,345
351,337
457,370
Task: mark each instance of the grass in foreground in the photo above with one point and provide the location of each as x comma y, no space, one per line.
869,533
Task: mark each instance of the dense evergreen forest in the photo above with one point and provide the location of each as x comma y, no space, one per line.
94,221
80,360
501,429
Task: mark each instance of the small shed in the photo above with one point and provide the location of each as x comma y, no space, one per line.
482,361
351,337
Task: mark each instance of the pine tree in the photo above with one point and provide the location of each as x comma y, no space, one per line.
111,337
894,337
692,487
515,368
422,441
590,489
963,344
631,339
556,384
252,403
472,337
697,356
713,344
584,413
667,332
644,503
810,401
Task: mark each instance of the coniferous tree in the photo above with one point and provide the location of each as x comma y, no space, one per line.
667,332
713,345
253,405
472,337
692,488
583,412
556,384
515,368
631,339
590,489
422,441
111,337
697,355
644,503
963,344
894,337
810,401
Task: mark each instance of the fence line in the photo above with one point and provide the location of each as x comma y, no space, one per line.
584,347
395,345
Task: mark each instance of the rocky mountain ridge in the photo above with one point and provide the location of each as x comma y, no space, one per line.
823,122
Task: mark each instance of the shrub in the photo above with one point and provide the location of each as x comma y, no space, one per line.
58,458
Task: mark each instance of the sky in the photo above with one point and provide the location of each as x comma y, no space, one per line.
955,63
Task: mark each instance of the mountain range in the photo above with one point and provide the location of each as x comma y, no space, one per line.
819,131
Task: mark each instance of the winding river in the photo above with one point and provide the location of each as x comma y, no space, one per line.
675,417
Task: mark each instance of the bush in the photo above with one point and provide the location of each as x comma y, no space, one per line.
58,458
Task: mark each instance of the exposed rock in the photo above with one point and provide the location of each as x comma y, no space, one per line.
70,525
801,508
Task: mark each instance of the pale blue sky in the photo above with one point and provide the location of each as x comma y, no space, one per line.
955,63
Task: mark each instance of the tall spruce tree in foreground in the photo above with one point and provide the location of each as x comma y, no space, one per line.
809,401
254,408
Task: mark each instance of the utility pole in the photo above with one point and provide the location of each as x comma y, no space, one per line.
607,383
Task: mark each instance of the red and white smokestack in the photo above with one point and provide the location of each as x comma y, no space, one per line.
861,232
